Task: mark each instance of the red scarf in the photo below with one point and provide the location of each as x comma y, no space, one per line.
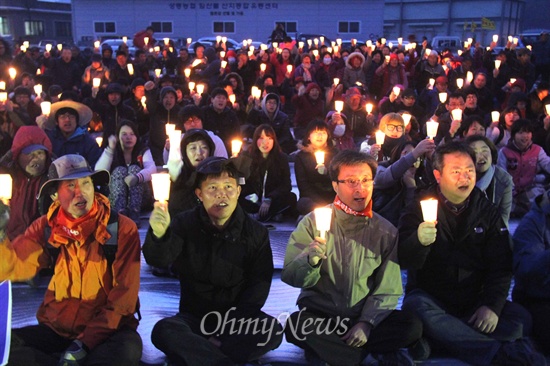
79,229
350,211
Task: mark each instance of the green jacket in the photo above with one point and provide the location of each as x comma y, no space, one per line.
360,279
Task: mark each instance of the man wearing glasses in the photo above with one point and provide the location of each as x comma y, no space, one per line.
351,280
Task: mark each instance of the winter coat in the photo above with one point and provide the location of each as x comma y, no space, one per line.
353,75
311,184
226,125
87,299
308,109
470,263
80,143
219,269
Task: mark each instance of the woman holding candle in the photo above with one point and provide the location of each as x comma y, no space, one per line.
490,178
131,165
280,62
309,105
267,191
391,74
499,131
314,184
393,127
195,146
355,71
342,136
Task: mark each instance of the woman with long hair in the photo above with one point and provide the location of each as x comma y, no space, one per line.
131,165
267,192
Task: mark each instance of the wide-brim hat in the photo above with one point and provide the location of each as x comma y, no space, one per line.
72,166
84,112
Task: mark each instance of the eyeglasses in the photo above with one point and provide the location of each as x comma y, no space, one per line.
394,127
193,120
354,182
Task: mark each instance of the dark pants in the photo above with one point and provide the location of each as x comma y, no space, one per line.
453,335
281,204
321,334
40,345
540,312
184,338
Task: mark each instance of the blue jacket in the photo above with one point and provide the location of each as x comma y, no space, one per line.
80,143
532,254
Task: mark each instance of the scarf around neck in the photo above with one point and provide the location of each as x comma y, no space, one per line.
484,182
350,211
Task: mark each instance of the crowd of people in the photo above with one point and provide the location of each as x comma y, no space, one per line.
370,132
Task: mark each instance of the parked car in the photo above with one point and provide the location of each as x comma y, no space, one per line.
115,43
303,37
230,43
530,36
440,43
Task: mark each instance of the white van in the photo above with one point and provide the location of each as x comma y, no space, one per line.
439,43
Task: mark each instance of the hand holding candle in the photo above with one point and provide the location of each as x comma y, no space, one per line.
338,105
323,218
380,136
431,129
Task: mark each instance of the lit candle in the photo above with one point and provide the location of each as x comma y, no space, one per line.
187,72
99,141
339,105
200,88
224,39
322,39
459,52
380,136
469,76
232,98
512,80
191,85
175,153
2,85
144,101
323,216
316,41
336,49
157,72
262,67
390,45
320,157
387,58
400,40
157,49
495,115
250,53
46,107
457,114
96,44
429,210
431,128
431,82
396,90
309,42
125,39
38,71
470,40
169,127
369,108
263,46
529,47
459,83
166,41
547,108
130,69
3,97
218,39
161,186
146,40
428,51
12,72
339,41
5,187
48,47
466,44
300,44
224,64
442,97
336,81
244,43
497,64
38,89
289,68
253,91
276,44
59,47
369,43
96,82
222,54
406,118
189,40
236,146
383,40
315,53
515,40
495,38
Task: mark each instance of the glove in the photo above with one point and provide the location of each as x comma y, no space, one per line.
74,355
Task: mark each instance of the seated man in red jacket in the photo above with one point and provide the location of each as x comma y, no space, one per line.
87,314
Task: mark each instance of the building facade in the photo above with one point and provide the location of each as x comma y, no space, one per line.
35,20
236,19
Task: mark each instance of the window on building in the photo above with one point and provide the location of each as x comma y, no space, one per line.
63,29
105,27
290,27
34,28
4,28
348,27
224,27
162,27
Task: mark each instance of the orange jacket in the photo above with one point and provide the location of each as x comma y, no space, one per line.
85,300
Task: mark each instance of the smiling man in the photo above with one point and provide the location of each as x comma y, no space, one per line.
460,269
225,265
351,280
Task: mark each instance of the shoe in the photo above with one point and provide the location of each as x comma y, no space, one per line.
519,352
397,358
421,350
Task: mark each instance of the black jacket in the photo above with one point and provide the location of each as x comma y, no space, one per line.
218,269
469,264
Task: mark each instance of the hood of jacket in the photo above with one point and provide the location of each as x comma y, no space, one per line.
27,136
240,83
271,96
351,56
